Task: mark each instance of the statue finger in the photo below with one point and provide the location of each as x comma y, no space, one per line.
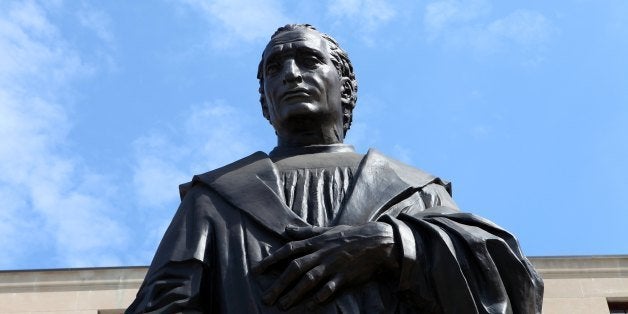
286,251
301,233
310,280
293,272
328,289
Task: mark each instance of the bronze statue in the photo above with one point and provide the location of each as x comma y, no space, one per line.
315,227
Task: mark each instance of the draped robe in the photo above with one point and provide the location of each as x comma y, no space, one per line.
232,217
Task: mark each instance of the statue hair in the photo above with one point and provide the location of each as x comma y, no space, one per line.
341,62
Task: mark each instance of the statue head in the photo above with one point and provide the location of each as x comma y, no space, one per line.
307,84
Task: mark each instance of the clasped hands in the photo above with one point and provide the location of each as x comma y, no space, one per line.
323,260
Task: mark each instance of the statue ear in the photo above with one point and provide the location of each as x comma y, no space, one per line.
262,100
265,109
346,90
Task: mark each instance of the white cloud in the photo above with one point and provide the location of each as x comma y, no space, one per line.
480,131
235,21
522,27
246,20
31,17
202,138
402,153
442,14
31,52
46,192
155,175
370,14
54,207
98,22
13,228
465,24
363,135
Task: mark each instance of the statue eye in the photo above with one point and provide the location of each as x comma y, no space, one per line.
310,61
272,68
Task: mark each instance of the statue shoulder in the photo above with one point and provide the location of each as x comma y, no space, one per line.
210,176
410,174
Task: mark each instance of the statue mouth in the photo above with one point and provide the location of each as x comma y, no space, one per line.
299,93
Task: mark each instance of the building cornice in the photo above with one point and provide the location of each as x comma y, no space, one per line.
108,278
78,279
600,266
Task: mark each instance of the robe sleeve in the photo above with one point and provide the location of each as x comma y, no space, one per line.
454,262
177,279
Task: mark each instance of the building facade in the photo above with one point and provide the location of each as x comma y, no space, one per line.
573,285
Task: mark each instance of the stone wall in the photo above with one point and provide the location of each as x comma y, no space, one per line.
573,285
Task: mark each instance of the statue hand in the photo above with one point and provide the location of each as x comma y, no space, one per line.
302,233
327,259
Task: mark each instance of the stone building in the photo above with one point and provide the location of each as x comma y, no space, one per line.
573,285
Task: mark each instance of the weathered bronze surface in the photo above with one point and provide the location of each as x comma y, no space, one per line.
315,227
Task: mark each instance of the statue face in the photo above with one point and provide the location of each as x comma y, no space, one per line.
301,85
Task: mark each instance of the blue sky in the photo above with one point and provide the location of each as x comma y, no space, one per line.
105,107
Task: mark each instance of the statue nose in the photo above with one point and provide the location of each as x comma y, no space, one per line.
293,73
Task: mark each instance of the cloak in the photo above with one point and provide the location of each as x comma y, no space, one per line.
232,217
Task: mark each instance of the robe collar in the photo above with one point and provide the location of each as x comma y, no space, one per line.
282,152
252,185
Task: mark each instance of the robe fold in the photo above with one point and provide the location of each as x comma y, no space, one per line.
233,217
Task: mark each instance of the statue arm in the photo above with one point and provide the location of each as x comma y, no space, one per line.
175,288
447,255
179,273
